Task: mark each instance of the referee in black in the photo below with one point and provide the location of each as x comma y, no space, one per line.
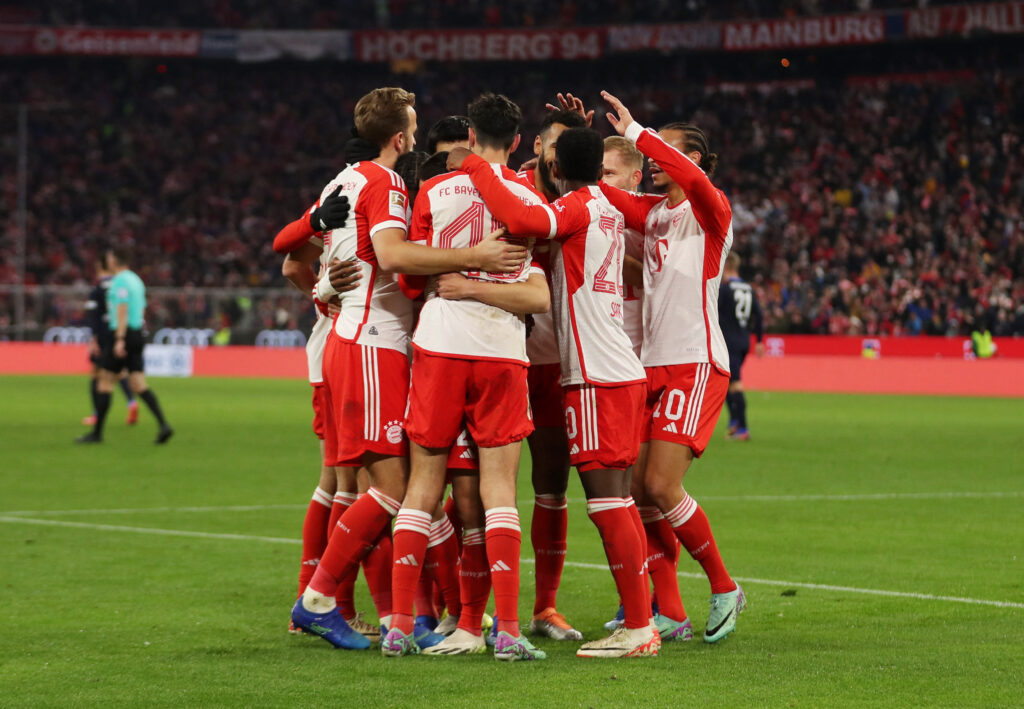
126,308
739,314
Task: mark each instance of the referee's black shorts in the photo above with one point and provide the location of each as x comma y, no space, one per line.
132,361
736,358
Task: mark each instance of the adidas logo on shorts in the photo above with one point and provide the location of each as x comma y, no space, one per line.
574,450
671,428
407,560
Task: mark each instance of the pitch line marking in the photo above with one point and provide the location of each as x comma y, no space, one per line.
852,497
574,564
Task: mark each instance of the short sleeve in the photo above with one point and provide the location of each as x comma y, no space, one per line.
385,204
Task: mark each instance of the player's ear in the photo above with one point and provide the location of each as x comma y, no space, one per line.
638,177
472,137
695,156
515,143
536,146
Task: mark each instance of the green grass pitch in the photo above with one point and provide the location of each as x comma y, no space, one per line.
834,499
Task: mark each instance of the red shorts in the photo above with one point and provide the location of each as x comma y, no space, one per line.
603,425
487,397
319,418
683,404
547,400
365,396
463,454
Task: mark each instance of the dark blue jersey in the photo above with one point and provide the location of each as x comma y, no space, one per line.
96,310
739,314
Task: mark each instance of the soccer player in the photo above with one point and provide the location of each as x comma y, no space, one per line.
302,242
99,323
366,369
449,132
739,314
469,369
603,381
549,450
126,308
623,167
688,232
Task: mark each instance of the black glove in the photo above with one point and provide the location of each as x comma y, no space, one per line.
332,212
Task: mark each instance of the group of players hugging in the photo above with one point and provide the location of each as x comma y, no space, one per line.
557,305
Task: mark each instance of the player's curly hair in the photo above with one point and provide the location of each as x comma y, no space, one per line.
580,154
495,119
696,140
564,117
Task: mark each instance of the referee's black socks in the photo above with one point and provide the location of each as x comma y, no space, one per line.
150,398
102,407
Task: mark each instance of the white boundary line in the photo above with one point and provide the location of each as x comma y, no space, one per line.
840,497
574,564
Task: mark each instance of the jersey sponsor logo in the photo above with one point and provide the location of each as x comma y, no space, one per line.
394,431
396,204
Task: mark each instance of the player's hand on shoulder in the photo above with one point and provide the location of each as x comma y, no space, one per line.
495,255
529,164
344,275
457,156
568,102
621,119
332,212
453,286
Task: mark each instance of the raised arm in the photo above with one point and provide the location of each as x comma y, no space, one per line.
521,219
710,207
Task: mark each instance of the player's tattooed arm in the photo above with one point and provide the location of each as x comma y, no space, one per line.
568,102
531,296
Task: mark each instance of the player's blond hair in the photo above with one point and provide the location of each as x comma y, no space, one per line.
381,113
630,155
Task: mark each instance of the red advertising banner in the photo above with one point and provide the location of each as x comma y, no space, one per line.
664,38
16,40
110,42
884,347
1002,18
479,45
830,30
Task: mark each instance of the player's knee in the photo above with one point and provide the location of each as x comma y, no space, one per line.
660,491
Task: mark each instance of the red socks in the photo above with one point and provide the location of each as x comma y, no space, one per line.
412,531
474,580
663,562
625,557
694,531
504,541
314,535
355,535
345,595
443,563
377,571
548,532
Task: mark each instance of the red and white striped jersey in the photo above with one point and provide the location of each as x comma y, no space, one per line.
586,276
450,214
685,246
377,313
318,334
633,296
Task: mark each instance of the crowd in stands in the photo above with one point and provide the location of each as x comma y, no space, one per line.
891,208
406,14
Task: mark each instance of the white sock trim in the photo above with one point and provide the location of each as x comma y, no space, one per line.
409,520
551,502
390,505
473,536
603,504
502,518
322,497
681,513
440,532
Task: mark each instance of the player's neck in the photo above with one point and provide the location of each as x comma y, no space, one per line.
676,194
387,158
492,155
572,186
